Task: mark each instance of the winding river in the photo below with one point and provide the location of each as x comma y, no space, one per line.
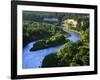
33,59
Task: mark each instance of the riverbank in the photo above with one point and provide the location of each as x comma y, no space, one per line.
53,41
34,59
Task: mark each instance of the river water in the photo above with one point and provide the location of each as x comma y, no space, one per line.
33,59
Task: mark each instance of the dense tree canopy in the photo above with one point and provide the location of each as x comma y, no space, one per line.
50,34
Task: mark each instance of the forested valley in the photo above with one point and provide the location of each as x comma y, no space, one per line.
49,29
